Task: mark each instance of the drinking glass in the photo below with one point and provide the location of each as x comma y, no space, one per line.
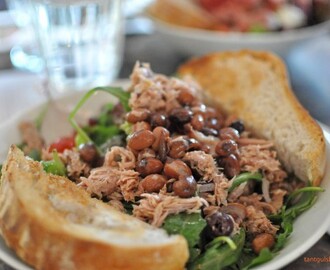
81,41
25,54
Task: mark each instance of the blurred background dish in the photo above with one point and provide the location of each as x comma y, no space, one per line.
193,29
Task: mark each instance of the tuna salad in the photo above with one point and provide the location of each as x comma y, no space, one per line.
164,156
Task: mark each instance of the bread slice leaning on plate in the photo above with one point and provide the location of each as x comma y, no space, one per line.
53,224
254,86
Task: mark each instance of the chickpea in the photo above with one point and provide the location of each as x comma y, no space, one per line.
229,133
230,164
176,168
88,152
263,240
148,166
137,115
197,122
153,183
185,187
226,147
141,139
178,148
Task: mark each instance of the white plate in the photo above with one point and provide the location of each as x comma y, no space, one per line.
190,41
308,228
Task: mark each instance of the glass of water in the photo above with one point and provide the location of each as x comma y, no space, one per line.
81,41
25,54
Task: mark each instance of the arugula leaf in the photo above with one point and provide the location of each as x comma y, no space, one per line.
244,177
100,134
219,255
118,92
54,166
189,226
265,255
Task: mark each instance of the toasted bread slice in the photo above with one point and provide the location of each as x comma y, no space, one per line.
53,224
181,13
254,86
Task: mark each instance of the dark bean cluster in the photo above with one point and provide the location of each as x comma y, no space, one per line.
161,139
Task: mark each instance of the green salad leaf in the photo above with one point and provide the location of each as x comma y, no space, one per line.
244,177
265,255
220,254
54,166
189,226
118,92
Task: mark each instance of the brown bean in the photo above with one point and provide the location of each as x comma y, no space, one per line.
141,126
226,147
230,164
194,144
209,131
159,133
141,139
145,153
148,166
185,187
197,122
159,120
263,240
88,152
213,122
180,115
153,183
176,168
137,115
186,97
229,133
178,148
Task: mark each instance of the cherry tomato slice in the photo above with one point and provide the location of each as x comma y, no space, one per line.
62,144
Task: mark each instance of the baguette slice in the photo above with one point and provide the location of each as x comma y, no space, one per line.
254,86
53,224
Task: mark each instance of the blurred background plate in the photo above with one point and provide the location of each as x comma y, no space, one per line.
191,41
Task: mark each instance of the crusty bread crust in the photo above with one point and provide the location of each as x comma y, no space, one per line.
254,86
53,224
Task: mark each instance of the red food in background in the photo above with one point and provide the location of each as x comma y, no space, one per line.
62,144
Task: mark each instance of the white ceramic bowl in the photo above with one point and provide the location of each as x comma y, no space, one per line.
191,41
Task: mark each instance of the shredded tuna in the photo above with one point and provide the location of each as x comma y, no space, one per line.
115,199
74,165
128,183
203,163
254,158
209,141
154,208
263,144
277,198
31,137
256,201
221,189
120,158
102,181
257,222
